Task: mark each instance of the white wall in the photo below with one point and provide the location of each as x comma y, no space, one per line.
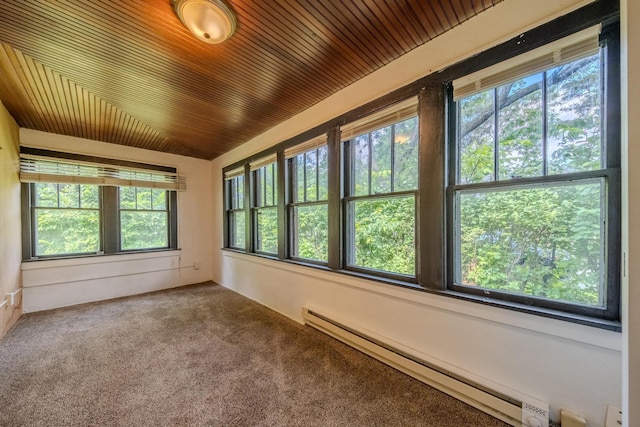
57,283
570,366
10,238
631,210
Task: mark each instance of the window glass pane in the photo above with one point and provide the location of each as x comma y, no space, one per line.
476,134
406,155
267,232
143,230
159,200
143,196
269,182
66,231
46,195
299,190
69,195
311,232
311,167
237,229
381,160
239,199
323,179
520,128
127,197
383,234
545,242
89,197
361,165
574,116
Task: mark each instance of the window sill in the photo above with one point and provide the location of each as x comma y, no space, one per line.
590,331
38,263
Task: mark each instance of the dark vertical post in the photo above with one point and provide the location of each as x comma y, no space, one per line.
430,225
227,194
334,199
110,220
28,243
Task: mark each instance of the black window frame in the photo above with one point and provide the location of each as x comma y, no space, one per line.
109,211
293,202
234,204
259,199
609,173
350,198
433,203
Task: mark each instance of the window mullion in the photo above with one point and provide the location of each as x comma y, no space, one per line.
280,187
545,127
496,136
111,219
248,209
430,211
334,197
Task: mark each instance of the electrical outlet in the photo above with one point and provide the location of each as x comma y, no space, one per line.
614,417
196,265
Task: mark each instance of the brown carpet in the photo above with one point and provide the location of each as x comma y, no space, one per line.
202,355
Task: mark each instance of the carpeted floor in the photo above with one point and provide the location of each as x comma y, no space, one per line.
202,355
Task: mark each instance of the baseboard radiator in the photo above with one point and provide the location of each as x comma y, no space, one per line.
519,412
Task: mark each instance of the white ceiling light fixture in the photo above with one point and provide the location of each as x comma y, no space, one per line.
211,21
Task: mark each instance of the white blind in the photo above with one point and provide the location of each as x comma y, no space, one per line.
314,143
263,162
394,114
579,45
234,172
63,171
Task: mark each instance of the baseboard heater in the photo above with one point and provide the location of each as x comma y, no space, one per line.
519,412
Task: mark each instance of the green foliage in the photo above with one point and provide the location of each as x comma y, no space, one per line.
267,230
67,219
312,231
384,234
545,241
144,218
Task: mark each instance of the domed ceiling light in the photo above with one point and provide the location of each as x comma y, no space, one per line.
212,21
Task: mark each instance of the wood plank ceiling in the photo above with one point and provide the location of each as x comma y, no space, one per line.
128,72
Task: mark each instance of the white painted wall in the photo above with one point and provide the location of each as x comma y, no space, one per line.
631,210
57,283
10,238
570,366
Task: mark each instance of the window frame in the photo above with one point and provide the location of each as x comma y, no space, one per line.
109,209
234,204
258,203
166,210
433,203
33,208
292,203
350,198
609,172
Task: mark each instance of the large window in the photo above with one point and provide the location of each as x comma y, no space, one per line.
497,184
78,205
144,218
265,210
308,210
66,219
381,160
235,209
532,185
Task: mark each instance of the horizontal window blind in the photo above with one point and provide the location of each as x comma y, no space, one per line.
312,144
263,162
579,45
234,172
388,116
62,171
